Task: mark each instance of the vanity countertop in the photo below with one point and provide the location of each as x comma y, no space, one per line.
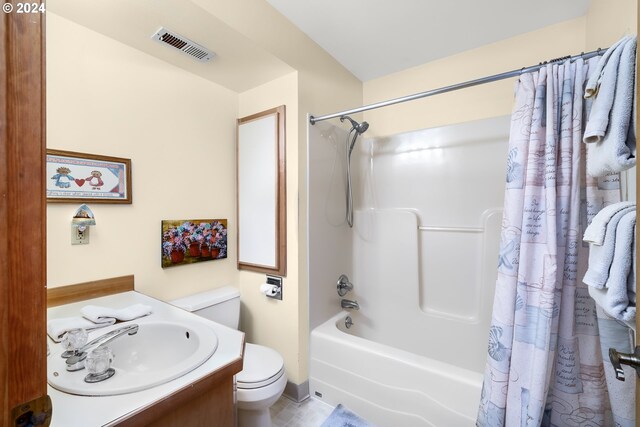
72,410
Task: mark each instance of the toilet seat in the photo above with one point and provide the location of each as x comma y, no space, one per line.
262,366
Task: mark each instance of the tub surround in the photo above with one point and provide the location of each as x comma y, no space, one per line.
389,386
424,247
203,393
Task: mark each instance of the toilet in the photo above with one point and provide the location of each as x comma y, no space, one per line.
262,379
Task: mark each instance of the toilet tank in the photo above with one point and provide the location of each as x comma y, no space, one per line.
222,305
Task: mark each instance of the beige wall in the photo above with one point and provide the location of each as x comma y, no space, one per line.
608,21
605,23
105,97
178,129
267,321
487,100
324,86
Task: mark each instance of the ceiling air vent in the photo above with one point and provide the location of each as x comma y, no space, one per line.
185,45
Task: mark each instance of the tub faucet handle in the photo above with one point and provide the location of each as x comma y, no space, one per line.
344,285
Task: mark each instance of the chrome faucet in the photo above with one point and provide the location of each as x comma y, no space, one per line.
344,285
76,361
347,303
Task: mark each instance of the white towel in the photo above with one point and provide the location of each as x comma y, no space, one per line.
56,328
598,120
99,314
596,77
611,145
620,299
599,296
601,257
596,230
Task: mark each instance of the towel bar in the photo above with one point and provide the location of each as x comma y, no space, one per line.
452,229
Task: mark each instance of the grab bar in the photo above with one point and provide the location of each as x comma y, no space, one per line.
454,229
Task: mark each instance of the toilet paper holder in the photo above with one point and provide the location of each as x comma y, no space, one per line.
272,288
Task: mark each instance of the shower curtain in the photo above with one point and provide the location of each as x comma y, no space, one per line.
544,365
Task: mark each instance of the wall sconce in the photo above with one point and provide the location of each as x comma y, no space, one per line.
80,223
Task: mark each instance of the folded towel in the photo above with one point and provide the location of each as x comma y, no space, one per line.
601,257
596,230
599,296
100,314
620,298
598,120
608,126
56,328
596,77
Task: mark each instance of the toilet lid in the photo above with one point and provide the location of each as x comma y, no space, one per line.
261,367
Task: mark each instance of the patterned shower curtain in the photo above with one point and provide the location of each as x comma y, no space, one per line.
544,365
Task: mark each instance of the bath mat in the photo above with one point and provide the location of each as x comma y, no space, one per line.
342,417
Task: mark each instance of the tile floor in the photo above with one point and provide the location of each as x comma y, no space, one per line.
308,413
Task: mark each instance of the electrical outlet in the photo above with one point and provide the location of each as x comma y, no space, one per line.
80,237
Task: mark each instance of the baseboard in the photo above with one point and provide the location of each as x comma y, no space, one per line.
297,392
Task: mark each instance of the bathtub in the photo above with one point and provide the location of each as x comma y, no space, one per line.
388,386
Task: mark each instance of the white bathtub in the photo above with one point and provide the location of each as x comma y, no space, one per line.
388,386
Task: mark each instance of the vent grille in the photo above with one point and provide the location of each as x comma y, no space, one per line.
183,44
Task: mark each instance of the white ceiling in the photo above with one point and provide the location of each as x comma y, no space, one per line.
372,38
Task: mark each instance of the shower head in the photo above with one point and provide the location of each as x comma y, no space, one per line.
358,127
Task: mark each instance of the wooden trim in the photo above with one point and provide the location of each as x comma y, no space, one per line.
154,414
637,230
4,225
280,269
84,291
74,154
282,192
22,212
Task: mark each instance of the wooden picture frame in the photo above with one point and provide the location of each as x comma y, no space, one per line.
80,177
261,186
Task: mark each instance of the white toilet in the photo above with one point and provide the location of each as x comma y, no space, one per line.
262,379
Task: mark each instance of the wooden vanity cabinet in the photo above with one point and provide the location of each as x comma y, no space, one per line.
205,403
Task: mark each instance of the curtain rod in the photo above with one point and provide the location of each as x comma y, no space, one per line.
313,120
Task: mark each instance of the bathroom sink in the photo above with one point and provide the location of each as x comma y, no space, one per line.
157,353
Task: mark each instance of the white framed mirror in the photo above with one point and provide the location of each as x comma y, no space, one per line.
261,190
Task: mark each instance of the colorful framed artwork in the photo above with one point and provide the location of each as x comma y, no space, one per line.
79,177
193,240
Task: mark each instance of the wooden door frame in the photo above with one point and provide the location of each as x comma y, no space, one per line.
23,354
637,228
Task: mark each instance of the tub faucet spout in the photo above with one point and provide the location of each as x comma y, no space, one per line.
347,303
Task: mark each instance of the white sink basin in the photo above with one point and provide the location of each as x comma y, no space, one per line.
159,352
